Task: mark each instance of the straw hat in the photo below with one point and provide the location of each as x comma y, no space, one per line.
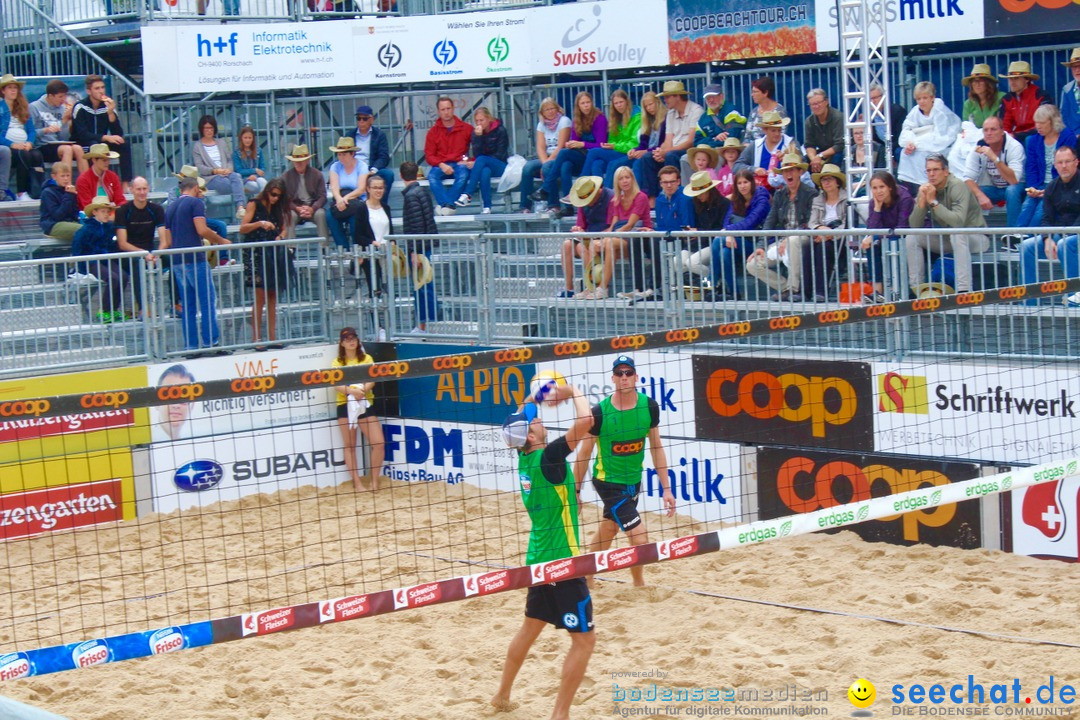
399,261
700,182
344,144
9,79
829,170
772,118
584,190
674,87
299,154
932,289
791,161
101,150
981,71
190,171
97,204
732,143
1021,69
708,150
1074,59
424,274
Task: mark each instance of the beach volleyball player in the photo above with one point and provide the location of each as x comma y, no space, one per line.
622,422
551,499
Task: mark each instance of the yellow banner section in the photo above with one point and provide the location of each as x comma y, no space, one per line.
71,470
24,436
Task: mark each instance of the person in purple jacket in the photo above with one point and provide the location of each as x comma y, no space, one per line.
890,206
588,131
749,208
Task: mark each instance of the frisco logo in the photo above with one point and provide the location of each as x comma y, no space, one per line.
615,559
417,595
167,640
672,549
14,666
269,621
553,571
91,652
344,608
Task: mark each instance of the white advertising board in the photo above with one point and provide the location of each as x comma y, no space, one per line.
1046,519
911,22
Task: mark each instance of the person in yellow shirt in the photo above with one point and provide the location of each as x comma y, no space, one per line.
355,411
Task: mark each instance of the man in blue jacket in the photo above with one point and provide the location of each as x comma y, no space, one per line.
372,146
59,209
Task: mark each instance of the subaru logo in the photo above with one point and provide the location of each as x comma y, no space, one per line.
198,475
445,52
389,55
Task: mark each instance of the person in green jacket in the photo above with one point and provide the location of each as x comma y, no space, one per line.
624,124
984,98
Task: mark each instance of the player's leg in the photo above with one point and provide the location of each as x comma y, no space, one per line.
372,430
515,657
638,536
573,670
348,435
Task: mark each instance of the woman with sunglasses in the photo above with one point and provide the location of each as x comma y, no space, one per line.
348,181
267,218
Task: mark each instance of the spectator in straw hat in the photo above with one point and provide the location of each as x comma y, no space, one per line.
97,237
1070,94
762,157
591,199
218,226
828,212
763,93
99,180
729,154
94,120
348,181
1024,97
680,126
984,98
790,210
306,190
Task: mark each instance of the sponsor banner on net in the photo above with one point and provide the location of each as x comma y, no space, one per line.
983,412
912,22
192,416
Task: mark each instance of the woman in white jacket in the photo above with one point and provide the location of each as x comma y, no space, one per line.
930,127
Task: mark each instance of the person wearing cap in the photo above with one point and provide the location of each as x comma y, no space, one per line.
592,200
1023,99
622,424
552,502
984,98
827,212
306,190
762,157
99,180
18,137
355,411
446,147
1050,134
1060,208
418,218
946,200
710,207
96,237
372,145
94,121
791,208
763,94
51,115
930,127
716,125
348,181
823,131
490,149
185,220
213,158
994,171
1070,94
58,210
680,128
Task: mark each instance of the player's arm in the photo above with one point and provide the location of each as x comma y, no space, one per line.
659,457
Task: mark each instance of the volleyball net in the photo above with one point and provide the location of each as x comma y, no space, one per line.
212,500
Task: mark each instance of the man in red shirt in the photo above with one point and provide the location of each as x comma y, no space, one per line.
100,180
1019,104
446,147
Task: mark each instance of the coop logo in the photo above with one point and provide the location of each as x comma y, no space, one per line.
91,652
970,298
21,408
833,316
622,449
187,391
167,640
515,355
253,384
454,362
673,549
487,583
267,622
198,475
344,608
219,44
887,310
1012,293
110,399
322,377
389,369
389,56
417,595
924,304
784,323
572,348
445,53
902,394
674,336
15,665
733,329
498,49
627,342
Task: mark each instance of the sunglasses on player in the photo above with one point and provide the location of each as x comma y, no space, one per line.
624,373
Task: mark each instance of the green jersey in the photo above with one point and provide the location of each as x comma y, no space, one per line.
621,439
551,502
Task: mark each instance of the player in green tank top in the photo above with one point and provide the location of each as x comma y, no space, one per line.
551,498
621,425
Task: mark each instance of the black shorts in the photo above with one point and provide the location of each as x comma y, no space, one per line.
51,152
343,412
564,604
620,503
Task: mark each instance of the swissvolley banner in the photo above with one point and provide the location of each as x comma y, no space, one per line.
702,30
